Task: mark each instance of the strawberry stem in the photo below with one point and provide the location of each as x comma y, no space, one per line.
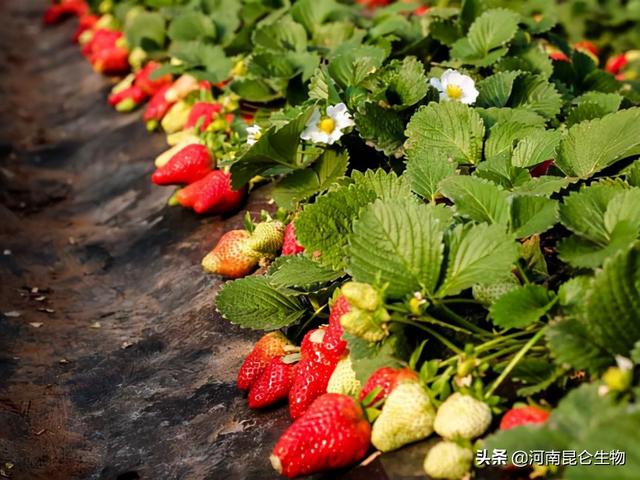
433,333
514,361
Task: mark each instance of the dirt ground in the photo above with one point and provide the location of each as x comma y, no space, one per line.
113,361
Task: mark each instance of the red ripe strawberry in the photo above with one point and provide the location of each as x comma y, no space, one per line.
111,61
205,111
102,39
386,379
523,416
231,257
313,372
266,349
290,245
127,99
157,108
617,63
588,46
421,10
559,56
273,384
542,168
212,194
332,434
59,12
333,339
145,83
189,165
87,22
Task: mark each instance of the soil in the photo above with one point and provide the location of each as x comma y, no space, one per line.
113,361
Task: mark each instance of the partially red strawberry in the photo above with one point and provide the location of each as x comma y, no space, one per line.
127,99
333,433
147,84
212,194
189,165
290,245
111,61
203,112
270,346
528,415
102,39
333,338
588,46
386,379
232,257
60,11
157,108
313,372
273,384
87,22
616,63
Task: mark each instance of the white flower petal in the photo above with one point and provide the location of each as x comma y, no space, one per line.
436,83
314,118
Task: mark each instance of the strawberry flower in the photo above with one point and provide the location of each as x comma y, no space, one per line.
254,132
329,128
454,86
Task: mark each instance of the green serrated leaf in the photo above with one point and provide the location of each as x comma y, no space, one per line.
277,147
281,35
535,93
426,173
531,215
480,254
613,302
191,25
300,273
594,145
522,306
387,186
381,128
302,184
325,225
477,199
350,66
496,89
399,243
253,302
571,345
451,130
536,148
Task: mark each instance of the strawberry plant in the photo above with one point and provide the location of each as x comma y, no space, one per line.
456,187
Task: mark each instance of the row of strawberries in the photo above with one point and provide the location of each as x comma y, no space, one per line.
332,411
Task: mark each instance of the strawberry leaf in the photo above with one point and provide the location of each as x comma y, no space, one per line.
253,302
385,185
521,307
450,130
399,243
480,254
594,145
477,199
426,174
531,215
300,273
302,184
325,225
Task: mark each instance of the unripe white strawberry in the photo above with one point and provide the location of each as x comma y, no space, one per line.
407,416
462,416
448,460
489,294
343,379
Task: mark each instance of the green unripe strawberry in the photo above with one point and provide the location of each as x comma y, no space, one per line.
343,379
361,295
448,460
267,237
367,317
176,117
407,416
462,416
489,294
368,326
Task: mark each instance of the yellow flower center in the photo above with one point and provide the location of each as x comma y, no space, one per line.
327,125
454,92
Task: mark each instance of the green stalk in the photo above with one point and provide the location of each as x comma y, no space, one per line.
514,361
463,322
433,333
